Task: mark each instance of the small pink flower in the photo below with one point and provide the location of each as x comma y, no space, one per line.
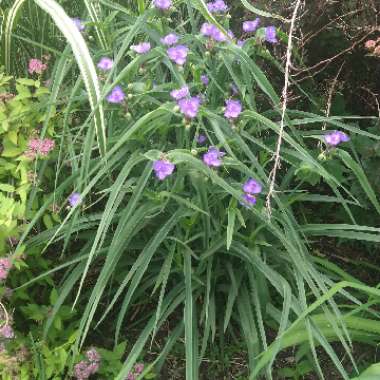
7,332
3,274
46,146
5,263
5,266
93,355
370,44
39,146
36,66
139,367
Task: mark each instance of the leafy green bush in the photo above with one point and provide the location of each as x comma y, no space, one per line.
161,215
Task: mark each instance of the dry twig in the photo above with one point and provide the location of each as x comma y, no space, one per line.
277,157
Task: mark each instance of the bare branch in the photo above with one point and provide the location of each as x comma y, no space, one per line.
277,156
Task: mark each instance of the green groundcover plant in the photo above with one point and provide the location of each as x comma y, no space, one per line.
149,196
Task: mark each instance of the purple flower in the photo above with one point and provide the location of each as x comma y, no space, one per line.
7,332
240,43
181,93
116,95
170,39
252,187
210,30
335,138
233,109
141,48
105,64
78,23
74,199
163,168
270,34
217,6
207,29
189,107
163,4
178,54
93,355
249,200
219,36
213,157
205,80
251,26
201,139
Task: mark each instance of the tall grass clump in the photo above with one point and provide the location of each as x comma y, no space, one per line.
169,126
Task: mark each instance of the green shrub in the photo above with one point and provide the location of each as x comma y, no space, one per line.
155,222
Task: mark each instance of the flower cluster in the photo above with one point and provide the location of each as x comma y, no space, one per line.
85,368
335,138
251,188
217,6
5,266
138,369
270,32
39,147
36,66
